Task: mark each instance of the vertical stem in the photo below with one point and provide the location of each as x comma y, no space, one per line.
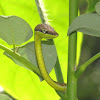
72,81
59,76
58,72
42,11
14,47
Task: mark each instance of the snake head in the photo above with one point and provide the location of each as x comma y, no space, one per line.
45,31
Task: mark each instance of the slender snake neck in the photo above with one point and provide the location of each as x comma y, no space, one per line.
40,60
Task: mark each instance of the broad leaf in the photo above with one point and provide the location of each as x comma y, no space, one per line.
18,81
28,51
14,30
88,24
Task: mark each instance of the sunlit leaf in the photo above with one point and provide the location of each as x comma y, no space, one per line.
23,84
18,81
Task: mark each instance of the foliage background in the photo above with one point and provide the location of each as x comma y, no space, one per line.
89,82
24,84
20,82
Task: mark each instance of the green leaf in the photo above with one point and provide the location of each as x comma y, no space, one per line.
97,8
18,81
14,30
88,24
4,97
28,52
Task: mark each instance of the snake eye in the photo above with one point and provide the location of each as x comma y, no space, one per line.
44,31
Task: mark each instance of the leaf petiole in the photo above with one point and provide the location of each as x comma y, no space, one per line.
21,59
82,67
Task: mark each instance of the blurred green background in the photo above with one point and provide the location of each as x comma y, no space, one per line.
89,82
21,83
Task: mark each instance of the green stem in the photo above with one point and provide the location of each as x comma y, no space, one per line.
83,67
41,10
59,78
21,59
14,47
58,72
71,79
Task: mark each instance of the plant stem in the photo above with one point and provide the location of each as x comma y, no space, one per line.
71,79
42,11
59,78
21,59
58,72
82,67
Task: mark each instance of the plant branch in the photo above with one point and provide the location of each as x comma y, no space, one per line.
42,11
58,72
83,67
21,59
71,79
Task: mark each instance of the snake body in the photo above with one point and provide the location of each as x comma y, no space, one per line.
47,32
